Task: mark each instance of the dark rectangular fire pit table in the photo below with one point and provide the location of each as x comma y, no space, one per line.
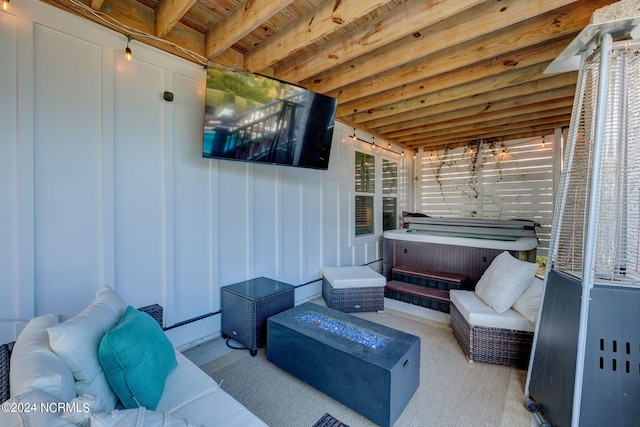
377,383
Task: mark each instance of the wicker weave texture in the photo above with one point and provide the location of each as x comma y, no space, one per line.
492,345
5,358
433,304
245,319
428,282
155,311
353,300
426,279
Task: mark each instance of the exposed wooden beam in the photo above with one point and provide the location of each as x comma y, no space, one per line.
556,86
438,145
96,4
501,135
136,15
555,25
419,73
472,115
248,16
168,13
536,118
541,53
400,21
476,22
507,79
317,23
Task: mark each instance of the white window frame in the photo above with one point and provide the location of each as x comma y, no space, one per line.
379,154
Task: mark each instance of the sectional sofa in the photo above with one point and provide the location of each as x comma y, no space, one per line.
111,365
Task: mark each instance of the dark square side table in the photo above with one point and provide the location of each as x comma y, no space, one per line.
247,305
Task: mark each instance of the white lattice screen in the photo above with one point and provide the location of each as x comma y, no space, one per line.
514,180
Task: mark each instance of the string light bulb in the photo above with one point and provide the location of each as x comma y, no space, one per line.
5,5
127,51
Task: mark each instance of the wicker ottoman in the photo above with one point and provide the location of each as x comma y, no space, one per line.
487,336
353,289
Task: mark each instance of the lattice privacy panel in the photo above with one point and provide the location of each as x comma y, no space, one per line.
617,249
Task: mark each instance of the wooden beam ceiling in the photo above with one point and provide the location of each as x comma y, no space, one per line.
314,25
419,73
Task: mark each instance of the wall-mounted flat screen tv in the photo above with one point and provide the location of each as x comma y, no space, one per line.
254,118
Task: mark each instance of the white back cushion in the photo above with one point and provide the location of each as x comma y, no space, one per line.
505,281
35,365
77,340
529,303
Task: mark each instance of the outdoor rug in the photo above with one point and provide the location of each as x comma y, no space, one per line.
452,392
328,421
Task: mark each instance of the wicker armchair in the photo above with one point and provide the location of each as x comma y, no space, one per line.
492,345
154,310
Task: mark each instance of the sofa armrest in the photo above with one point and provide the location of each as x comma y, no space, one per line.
5,358
153,310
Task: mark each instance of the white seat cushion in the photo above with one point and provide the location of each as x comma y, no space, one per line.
191,394
353,277
477,313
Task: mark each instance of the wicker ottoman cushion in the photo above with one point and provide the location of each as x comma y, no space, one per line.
353,277
476,312
353,289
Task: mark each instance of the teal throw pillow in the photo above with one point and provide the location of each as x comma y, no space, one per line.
137,357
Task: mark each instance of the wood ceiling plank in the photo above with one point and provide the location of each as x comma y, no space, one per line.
314,25
249,15
474,70
551,115
472,115
400,21
473,23
277,23
488,84
557,24
545,89
501,135
541,53
139,17
168,13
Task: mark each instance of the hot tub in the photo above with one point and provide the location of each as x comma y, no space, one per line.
460,246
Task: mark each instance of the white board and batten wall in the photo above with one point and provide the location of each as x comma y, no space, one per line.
102,181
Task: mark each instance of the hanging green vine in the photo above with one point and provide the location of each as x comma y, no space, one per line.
497,150
437,165
471,153
474,162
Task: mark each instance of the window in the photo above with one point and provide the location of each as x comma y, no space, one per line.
365,168
390,194
375,194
